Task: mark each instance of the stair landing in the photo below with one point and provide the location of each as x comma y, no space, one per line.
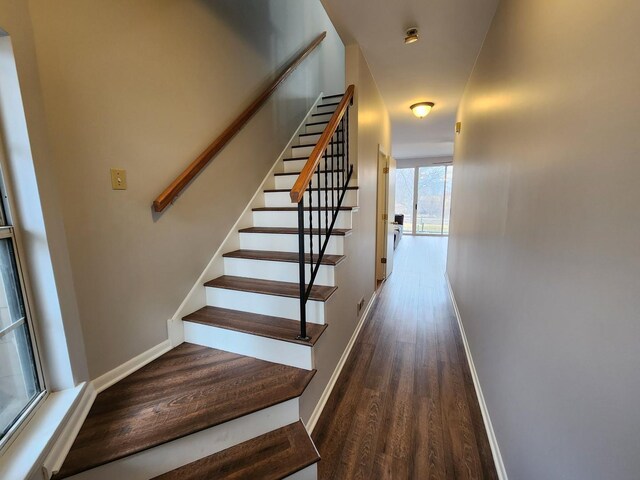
184,391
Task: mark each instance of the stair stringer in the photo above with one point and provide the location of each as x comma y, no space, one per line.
196,298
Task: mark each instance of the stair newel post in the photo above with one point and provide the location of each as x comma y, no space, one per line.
301,261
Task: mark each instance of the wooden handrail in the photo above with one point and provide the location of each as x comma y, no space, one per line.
174,189
302,183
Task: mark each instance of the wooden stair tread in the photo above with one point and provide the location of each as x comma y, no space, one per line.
289,257
339,232
318,293
333,96
186,390
256,324
272,456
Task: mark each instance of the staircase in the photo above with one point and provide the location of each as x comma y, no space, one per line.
225,403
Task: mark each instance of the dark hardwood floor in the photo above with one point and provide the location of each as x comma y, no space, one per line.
404,406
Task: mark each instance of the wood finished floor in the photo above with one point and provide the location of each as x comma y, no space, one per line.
404,406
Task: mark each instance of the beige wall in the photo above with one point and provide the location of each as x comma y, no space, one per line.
355,277
145,86
544,253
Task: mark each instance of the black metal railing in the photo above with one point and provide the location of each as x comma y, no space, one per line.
316,221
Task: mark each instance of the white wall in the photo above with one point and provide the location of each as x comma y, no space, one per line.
145,86
544,254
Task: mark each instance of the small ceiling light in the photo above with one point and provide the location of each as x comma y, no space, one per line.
411,36
421,109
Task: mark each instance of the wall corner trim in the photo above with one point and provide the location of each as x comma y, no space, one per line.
493,442
315,415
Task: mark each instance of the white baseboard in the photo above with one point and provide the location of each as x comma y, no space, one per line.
106,380
62,445
493,442
315,415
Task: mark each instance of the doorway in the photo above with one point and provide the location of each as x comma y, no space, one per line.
386,200
423,196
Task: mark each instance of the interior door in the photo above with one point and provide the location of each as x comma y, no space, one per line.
391,213
385,215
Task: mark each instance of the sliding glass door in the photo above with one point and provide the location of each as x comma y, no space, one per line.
423,195
404,197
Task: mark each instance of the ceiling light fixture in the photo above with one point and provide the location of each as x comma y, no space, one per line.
421,109
411,35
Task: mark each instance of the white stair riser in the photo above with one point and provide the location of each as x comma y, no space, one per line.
296,166
169,456
326,108
305,151
263,348
276,271
276,242
273,305
305,139
315,128
289,218
309,473
287,181
324,117
282,199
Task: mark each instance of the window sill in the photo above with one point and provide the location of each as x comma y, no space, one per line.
23,459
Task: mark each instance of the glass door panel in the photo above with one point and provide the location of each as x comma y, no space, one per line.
404,196
429,214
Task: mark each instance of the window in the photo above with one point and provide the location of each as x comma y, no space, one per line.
20,380
423,195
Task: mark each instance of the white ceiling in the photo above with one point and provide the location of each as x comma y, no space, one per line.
435,69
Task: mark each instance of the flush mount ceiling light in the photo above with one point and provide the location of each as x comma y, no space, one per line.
421,109
411,35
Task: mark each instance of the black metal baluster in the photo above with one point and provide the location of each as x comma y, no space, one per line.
303,303
310,221
319,217
326,186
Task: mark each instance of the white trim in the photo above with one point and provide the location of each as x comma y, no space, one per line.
493,442
315,415
106,380
195,299
65,439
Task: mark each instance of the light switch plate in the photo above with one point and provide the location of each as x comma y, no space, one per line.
118,179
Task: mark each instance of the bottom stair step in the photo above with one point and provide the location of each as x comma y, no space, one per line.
188,390
272,456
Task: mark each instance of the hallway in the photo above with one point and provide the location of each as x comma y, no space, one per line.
404,406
